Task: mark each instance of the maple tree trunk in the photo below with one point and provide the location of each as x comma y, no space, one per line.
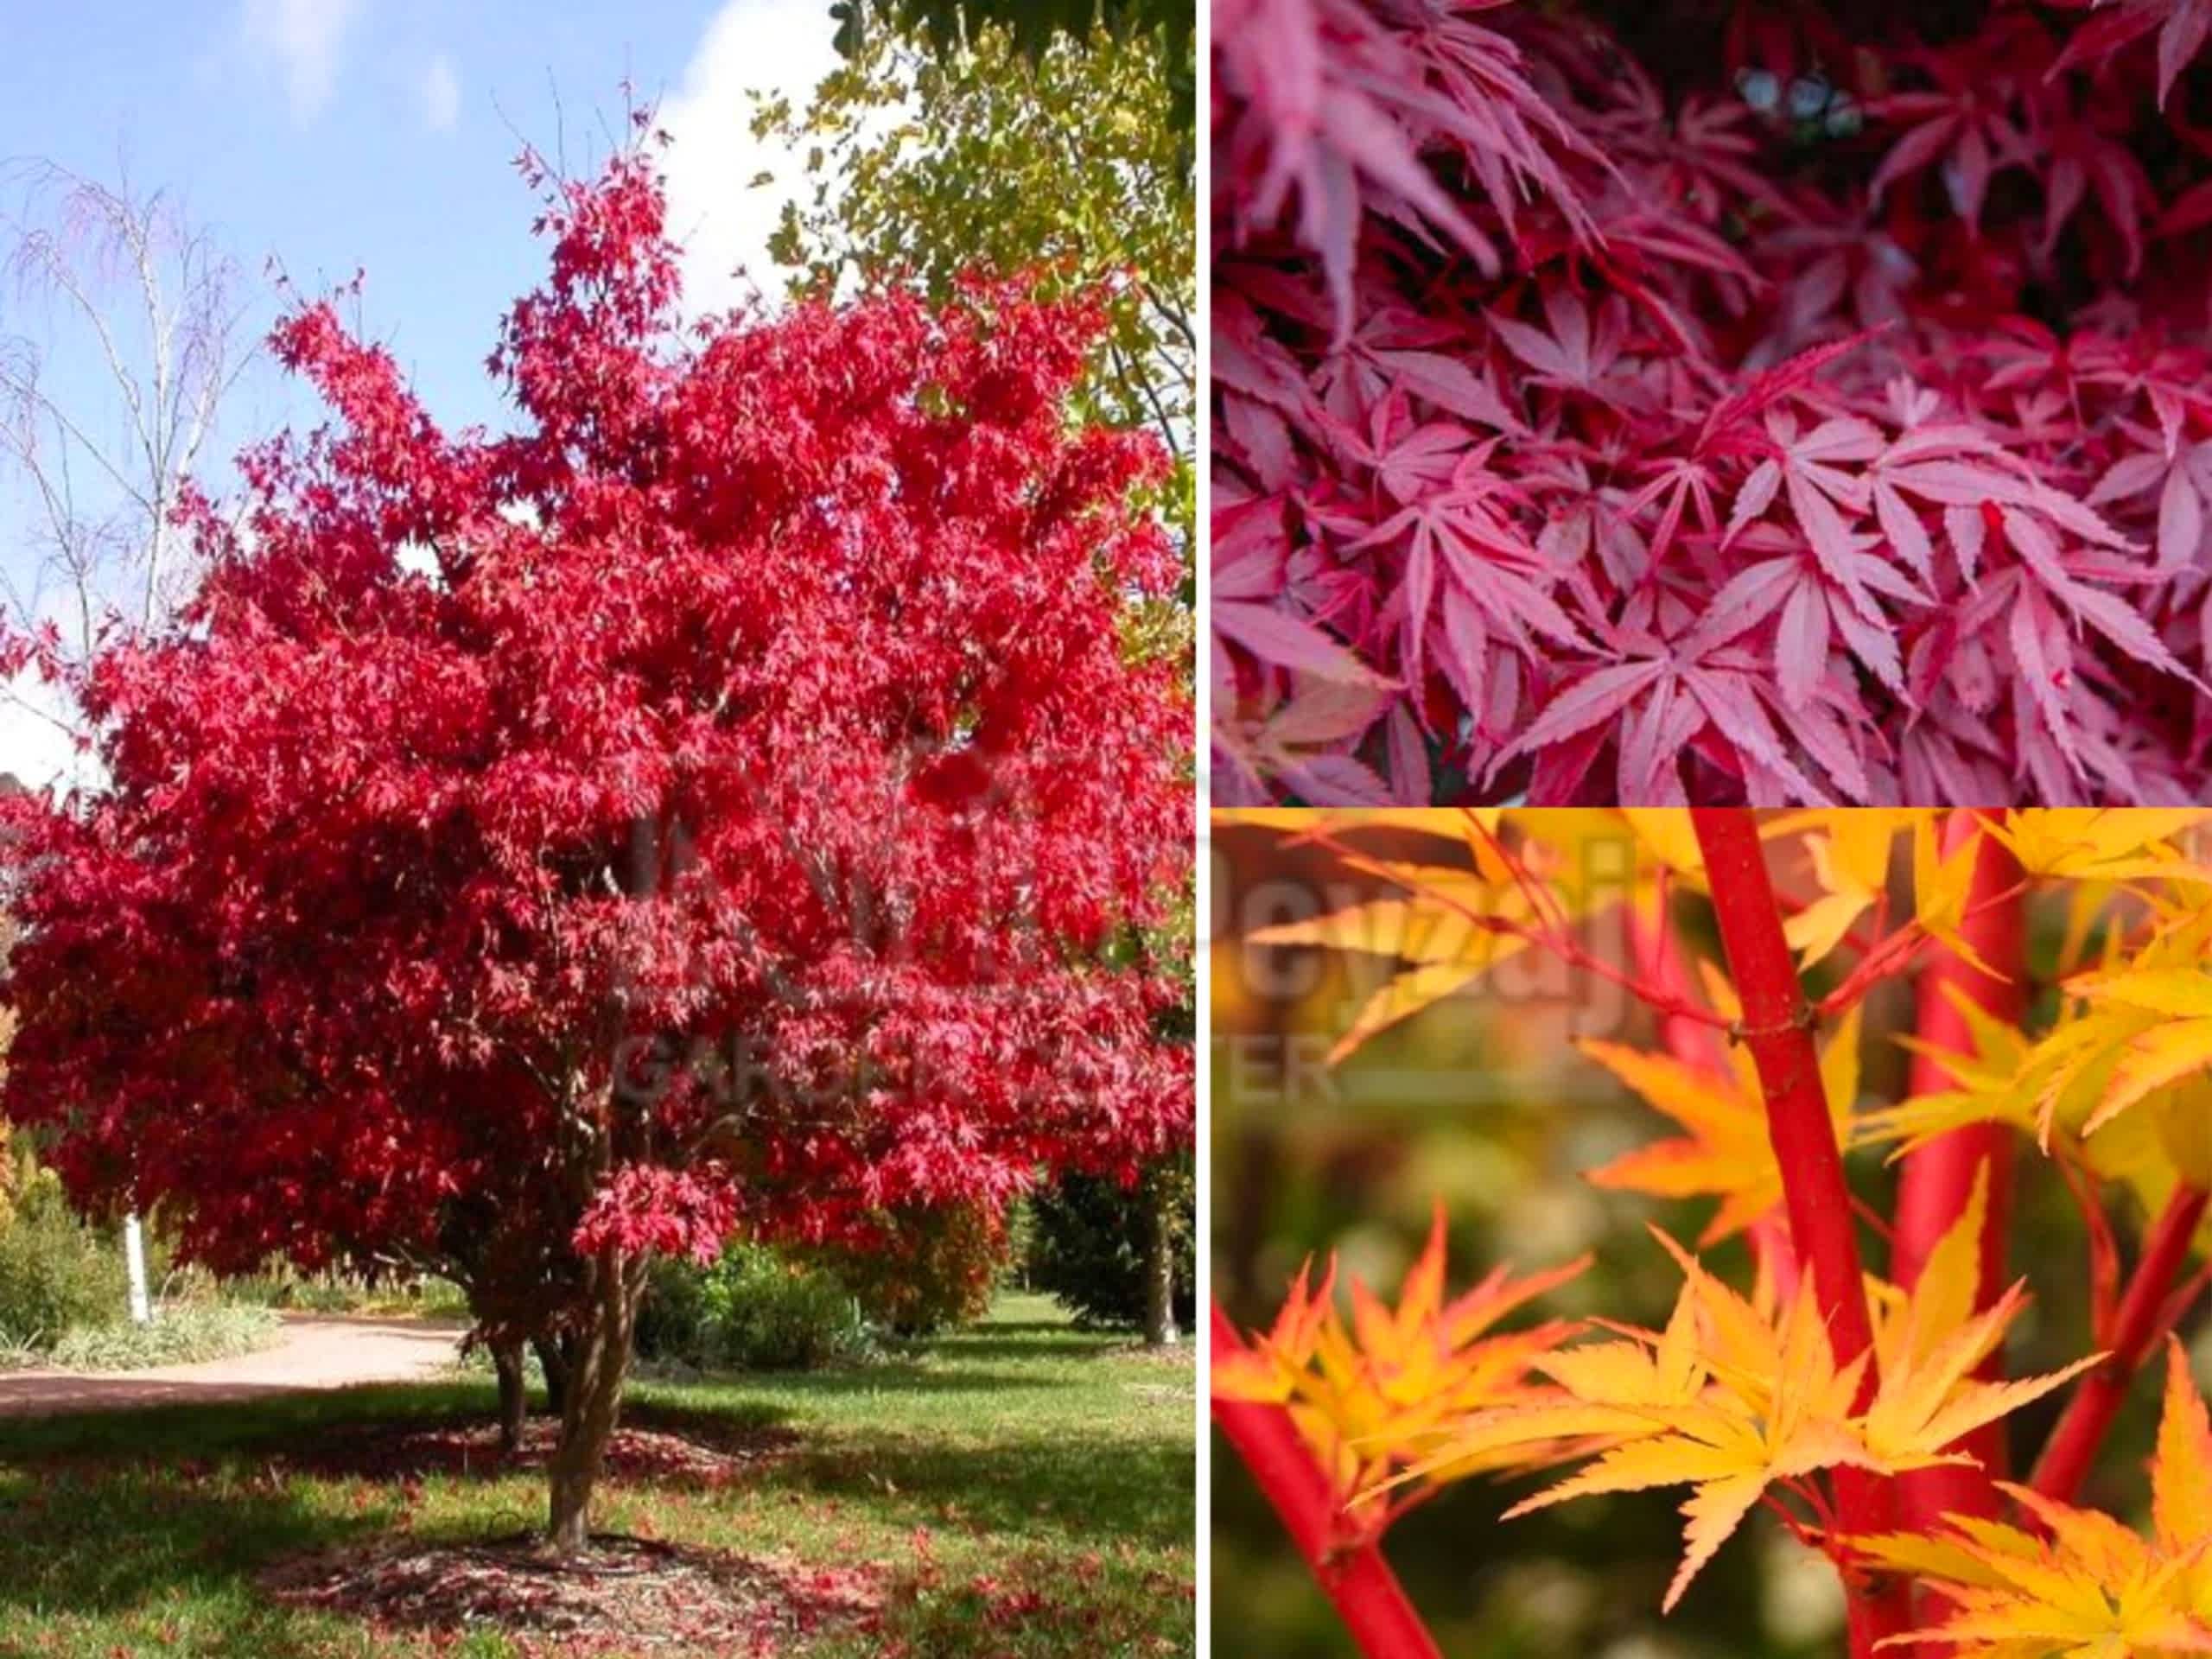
593,1403
1354,1575
1777,1028
553,1359
2141,1320
1939,1177
1160,1330
514,1393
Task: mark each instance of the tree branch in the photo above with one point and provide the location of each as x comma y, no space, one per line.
2144,1315
1778,1030
1353,1575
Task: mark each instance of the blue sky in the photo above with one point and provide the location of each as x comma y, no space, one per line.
327,136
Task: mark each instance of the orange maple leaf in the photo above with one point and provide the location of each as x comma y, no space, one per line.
1373,1396
2092,1589
1726,1152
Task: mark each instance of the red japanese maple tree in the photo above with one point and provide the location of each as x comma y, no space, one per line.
726,800
1720,401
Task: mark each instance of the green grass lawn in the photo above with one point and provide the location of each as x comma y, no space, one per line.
1024,1489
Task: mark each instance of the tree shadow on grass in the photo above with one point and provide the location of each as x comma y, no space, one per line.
181,1430
180,1545
1137,1488
170,1515
655,1444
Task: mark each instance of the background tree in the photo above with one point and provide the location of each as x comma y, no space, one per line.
1094,1247
921,168
126,326
125,329
1037,27
703,808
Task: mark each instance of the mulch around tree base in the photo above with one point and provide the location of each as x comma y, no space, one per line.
639,1594
692,1455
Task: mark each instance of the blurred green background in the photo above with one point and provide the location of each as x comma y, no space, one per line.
1481,1101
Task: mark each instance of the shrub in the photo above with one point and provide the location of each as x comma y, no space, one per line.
281,1284
754,1310
55,1272
17,1171
673,1312
180,1336
1088,1248
927,1270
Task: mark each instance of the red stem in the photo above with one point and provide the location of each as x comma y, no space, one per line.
1351,1571
2074,1444
1549,933
1939,1177
1659,964
1777,1027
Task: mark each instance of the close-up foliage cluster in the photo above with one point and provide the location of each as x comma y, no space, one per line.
1716,401
1922,1073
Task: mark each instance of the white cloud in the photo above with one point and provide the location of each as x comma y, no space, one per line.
303,38
440,90
34,741
714,211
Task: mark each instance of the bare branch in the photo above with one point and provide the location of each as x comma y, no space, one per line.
122,332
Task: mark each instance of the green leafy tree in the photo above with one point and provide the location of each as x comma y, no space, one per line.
1096,1246
1036,26
922,166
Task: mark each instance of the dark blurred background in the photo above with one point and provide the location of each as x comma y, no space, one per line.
1481,1101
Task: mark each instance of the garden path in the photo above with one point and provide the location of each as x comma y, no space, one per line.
316,1351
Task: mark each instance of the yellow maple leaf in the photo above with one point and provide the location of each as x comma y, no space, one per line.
2090,1588
1850,852
2165,1142
1942,888
1929,1342
1372,1396
2081,844
1727,1152
2138,1029
1769,1405
1985,1083
1267,1371
1592,853
2181,1481
2124,1076
1740,1394
1671,839
2153,1025
1453,926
